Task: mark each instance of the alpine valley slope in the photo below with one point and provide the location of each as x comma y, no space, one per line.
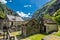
5,10
49,8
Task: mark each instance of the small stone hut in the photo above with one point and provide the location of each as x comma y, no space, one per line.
13,22
31,27
50,26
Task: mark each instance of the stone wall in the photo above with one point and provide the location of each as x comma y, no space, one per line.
51,28
32,28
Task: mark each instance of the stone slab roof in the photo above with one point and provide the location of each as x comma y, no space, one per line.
14,18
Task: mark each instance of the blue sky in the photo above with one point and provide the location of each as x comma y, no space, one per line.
25,6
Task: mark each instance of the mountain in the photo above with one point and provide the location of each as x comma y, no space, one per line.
49,8
26,18
5,10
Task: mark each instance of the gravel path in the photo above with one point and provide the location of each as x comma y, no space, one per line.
26,39
52,37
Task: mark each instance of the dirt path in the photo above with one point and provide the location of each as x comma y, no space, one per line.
52,37
26,39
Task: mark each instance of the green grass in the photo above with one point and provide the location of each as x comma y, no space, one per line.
33,37
36,37
58,33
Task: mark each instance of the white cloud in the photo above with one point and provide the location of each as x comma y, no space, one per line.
22,14
28,13
27,5
10,1
3,1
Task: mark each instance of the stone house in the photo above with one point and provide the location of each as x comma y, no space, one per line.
13,22
34,27
30,27
50,26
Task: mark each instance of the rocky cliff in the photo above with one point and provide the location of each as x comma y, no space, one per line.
49,8
5,10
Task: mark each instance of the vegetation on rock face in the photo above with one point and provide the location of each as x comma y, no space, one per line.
47,16
56,16
2,15
51,10
5,10
46,9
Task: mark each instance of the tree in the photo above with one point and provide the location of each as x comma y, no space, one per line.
56,16
47,16
2,15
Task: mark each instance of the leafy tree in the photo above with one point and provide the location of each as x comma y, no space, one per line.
56,16
57,13
2,15
47,16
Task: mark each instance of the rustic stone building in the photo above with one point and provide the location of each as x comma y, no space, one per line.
33,27
50,26
13,22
